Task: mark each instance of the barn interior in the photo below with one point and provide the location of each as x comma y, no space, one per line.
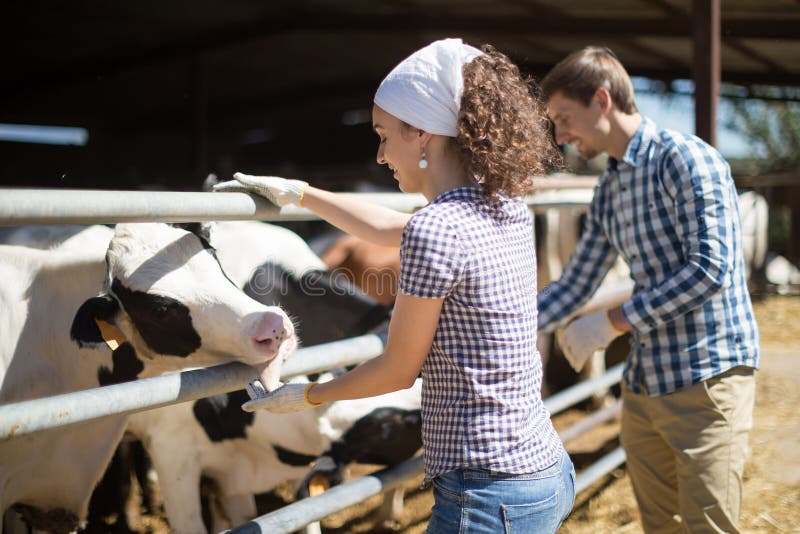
158,95
165,93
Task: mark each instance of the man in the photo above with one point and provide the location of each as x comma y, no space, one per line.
668,205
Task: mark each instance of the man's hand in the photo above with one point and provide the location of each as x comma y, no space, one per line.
284,399
279,191
585,335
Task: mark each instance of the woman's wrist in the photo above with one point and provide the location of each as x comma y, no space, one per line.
618,320
311,401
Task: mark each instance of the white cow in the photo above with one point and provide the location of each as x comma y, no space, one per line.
761,265
166,301
243,246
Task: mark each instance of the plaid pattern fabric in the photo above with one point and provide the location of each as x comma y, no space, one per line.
670,208
481,388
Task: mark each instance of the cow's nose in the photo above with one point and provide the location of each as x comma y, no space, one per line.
271,330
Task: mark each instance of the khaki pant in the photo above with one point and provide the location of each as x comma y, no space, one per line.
686,453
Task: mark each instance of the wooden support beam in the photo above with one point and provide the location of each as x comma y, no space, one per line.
538,22
665,59
746,51
666,7
706,67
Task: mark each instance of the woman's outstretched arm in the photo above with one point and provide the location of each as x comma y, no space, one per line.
371,222
411,331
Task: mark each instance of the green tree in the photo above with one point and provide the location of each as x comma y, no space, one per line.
773,126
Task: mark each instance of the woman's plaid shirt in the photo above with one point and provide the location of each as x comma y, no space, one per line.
669,207
481,399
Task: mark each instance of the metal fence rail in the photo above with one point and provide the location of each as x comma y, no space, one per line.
590,421
60,206
599,469
563,399
299,514
27,417
87,206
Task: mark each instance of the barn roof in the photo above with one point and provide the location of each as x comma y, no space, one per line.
170,90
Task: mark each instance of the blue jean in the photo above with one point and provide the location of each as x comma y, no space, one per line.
476,501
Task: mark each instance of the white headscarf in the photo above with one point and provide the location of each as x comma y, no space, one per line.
425,89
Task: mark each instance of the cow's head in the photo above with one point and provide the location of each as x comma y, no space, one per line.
167,295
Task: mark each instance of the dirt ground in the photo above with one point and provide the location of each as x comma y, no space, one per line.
771,478
772,473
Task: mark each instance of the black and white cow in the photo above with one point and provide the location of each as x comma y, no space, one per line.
162,295
275,266
248,453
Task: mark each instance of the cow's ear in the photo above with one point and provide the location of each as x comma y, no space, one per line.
85,330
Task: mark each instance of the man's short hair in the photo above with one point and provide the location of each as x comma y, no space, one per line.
579,75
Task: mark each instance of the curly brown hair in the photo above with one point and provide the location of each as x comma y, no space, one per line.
503,129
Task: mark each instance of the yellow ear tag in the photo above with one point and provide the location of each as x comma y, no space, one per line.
318,484
112,335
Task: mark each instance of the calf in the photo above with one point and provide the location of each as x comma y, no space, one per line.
247,453
168,305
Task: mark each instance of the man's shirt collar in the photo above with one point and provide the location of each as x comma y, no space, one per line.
637,146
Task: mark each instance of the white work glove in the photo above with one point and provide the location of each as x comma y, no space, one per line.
284,399
279,191
585,335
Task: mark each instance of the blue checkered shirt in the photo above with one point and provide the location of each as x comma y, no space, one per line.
481,388
669,207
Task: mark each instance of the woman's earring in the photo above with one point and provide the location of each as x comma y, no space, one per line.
423,163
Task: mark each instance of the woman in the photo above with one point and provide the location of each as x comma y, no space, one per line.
461,127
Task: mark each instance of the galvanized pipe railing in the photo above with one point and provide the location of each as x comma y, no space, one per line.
563,399
296,515
87,206
28,417
599,469
590,421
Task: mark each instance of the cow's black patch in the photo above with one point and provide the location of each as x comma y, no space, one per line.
164,323
293,458
57,520
385,436
126,366
84,329
325,306
222,417
107,505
